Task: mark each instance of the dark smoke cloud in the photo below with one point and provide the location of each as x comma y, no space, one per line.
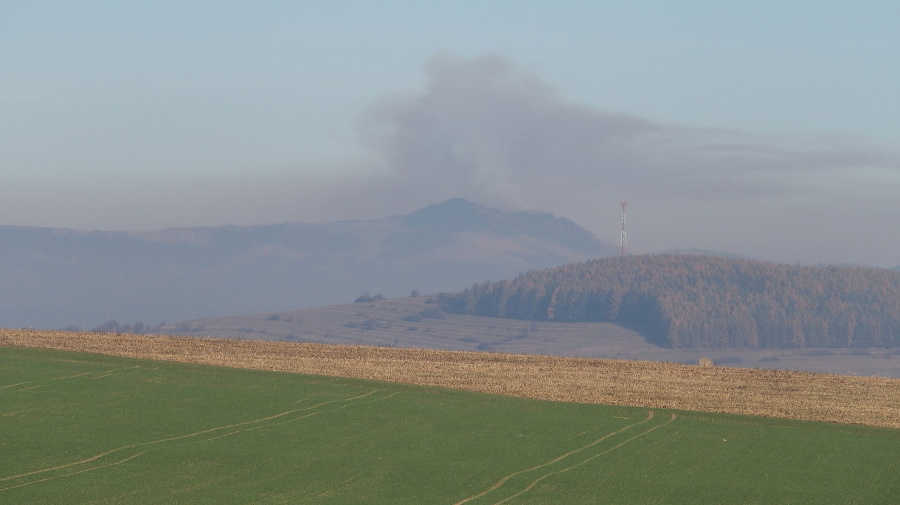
485,128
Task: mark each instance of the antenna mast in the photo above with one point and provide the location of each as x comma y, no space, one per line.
623,241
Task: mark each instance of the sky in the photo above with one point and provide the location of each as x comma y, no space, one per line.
764,128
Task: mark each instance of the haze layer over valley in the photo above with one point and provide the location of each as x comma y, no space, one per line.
59,277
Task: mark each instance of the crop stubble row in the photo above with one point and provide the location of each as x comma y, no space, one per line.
797,395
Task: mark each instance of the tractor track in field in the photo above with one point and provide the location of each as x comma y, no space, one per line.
561,457
89,375
536,481
78,467
43,380
873,401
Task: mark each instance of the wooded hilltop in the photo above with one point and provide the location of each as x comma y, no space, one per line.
696,301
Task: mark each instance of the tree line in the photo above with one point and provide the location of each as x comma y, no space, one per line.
690,301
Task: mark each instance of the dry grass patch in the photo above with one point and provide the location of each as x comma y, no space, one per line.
797,395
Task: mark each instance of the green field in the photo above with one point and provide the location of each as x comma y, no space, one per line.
80,428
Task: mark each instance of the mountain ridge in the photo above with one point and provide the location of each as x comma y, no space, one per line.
58,277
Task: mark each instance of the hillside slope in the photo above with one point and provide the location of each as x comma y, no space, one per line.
691,301
60,277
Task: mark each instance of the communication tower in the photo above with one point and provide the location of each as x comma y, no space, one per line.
623,241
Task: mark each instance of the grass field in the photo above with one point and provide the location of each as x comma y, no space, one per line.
87,428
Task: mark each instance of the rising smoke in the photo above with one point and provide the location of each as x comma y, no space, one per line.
485,129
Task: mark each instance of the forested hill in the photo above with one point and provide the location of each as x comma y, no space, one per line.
689,301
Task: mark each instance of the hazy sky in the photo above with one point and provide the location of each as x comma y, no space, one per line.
769,128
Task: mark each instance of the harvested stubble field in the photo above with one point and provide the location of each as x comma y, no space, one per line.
795,395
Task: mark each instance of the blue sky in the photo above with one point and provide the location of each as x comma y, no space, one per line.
767,128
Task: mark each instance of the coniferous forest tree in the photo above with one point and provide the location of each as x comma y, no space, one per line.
691,301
